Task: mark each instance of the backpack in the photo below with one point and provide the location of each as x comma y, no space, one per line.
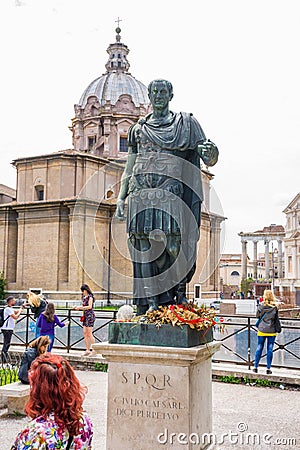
2,321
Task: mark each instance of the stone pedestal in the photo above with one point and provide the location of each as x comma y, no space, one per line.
158,396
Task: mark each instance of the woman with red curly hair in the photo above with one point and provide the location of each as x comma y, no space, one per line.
55,408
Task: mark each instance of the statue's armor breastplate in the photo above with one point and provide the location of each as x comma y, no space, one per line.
155,168
154,190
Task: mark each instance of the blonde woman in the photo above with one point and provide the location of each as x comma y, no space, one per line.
37,306
268,327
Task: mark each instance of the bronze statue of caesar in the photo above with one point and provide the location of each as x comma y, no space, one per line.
162,180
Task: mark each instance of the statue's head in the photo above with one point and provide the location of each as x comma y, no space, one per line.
158,85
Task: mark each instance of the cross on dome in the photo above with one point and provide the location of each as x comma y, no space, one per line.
118,20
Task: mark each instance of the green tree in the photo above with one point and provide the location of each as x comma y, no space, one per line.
246,285
2,285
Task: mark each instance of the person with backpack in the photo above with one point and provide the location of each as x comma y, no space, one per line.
8,325
268,325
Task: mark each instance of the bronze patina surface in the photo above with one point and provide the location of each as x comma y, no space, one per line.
162,183
165,335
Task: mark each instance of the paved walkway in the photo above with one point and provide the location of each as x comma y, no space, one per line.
272,413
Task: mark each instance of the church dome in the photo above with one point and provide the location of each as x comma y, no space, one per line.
110,86
117,80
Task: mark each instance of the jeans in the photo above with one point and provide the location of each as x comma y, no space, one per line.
7,335
51,337
260,346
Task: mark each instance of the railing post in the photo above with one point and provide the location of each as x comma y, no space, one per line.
69,332
27,327
249,344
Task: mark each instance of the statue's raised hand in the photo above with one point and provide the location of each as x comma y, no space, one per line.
120,210
208,152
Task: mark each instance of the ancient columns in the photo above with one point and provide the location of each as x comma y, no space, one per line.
267,235
267,259
255,260
244,259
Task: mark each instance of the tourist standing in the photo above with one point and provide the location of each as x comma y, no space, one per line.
37,306
36,348
88,318
55,408
10,315
47,322
268,328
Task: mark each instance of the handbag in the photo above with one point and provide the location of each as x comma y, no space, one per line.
259,320
277,323
82,318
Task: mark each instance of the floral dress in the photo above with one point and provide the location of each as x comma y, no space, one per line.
44,433
89,314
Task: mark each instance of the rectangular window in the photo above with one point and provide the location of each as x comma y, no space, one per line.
123,145
91,142
39,193
289,264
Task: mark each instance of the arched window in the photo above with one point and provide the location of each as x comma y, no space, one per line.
235,274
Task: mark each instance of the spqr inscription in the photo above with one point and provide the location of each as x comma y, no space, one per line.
159,382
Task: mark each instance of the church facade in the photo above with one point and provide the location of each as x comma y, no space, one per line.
58,230
290,285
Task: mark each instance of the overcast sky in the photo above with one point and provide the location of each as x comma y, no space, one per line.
233,63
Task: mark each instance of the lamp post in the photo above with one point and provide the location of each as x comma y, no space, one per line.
109,255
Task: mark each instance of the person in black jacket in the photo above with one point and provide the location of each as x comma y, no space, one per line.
37,306
35,349
268,328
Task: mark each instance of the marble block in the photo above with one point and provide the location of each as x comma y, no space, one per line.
158,397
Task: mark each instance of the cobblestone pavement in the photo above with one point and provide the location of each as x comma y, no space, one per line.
271,414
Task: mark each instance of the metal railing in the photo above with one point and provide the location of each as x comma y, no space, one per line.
238,337
68,337
237,334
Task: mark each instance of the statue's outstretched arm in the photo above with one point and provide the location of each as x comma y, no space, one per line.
208,152
124,185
